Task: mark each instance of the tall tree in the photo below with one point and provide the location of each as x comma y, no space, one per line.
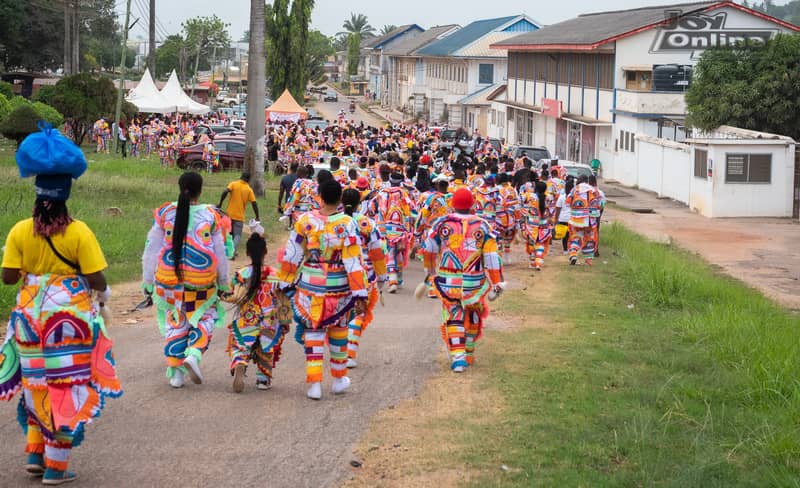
353,53
358,24
256,72
317,52
278,26
25,26
168,55
387,29
297,76
748,87
203,36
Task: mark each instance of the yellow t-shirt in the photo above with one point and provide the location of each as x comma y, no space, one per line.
32,254
241,195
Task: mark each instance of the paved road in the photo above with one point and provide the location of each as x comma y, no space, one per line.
330,111
208,436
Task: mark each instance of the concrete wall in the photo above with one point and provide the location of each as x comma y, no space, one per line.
772,199
667,168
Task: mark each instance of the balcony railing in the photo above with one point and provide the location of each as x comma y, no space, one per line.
644,102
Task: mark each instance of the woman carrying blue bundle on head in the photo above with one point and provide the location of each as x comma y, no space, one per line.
56,349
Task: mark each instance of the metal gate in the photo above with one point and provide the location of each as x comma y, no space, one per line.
796,209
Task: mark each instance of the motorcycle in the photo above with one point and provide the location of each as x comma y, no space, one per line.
352,108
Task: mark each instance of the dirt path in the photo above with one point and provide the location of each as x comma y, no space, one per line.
208,436
761,252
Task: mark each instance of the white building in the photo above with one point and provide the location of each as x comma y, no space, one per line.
458,66
407,70
586,87
375,61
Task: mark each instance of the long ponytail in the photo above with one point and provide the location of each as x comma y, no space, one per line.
257,250
541,188
191,185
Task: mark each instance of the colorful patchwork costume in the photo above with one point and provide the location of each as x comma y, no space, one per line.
584,202
536,227
374,256
188,310
392,210
255,334
461,255
322,259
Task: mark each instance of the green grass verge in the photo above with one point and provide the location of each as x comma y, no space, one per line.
696,385
136,187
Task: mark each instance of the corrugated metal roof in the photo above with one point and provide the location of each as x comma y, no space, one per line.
376,42
481,48
481,97
409,45
464,37
596,27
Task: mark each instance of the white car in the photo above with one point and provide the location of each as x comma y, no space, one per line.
239,123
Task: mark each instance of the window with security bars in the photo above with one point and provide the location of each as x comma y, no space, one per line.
700,163
748,168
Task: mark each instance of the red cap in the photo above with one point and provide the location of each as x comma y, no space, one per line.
463,199
425,160
362,183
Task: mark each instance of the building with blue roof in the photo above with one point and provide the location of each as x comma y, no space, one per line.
456,72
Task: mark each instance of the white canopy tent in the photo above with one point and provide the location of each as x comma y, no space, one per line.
147,97
173,93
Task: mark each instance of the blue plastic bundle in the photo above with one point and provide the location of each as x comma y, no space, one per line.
47,152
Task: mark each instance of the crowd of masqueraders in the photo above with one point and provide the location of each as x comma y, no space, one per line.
390,196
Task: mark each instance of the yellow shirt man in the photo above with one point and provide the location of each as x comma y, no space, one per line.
241,194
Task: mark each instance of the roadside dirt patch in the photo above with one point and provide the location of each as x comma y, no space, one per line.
419,442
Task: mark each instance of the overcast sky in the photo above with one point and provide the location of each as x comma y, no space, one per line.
329,15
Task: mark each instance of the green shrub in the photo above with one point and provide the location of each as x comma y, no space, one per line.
48,114
6,89
5,107
17,102
20,123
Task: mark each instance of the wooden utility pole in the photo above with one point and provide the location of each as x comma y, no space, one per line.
67,39
76,37
256,75
120,89
151,55
197,61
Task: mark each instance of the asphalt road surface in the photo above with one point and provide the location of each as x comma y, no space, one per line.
206,435
330,111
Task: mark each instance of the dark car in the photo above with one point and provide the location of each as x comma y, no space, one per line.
331,96
231,155
534,153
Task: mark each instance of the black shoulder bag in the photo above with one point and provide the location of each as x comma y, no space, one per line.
60,256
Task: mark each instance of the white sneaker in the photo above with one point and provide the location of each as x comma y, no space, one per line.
351,363
193,368
264,384
177,380
392,288
458,369
340,385
315,391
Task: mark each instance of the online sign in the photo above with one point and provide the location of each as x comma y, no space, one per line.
698,32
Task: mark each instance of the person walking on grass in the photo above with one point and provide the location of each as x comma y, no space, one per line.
185,270
462,260
537,223
256,333
322,262
56,348
122,138
563,212
287,183
582,200
241,194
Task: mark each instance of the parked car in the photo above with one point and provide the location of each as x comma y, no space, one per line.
464,143
239,124
231,155
222,95
313,114
231,100
331,96
576,169
534,153
497,144
317,124
215,131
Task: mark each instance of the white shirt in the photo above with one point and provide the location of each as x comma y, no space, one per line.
566,212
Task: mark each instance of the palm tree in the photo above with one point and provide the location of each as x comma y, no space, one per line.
358,24
387,29
256,90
